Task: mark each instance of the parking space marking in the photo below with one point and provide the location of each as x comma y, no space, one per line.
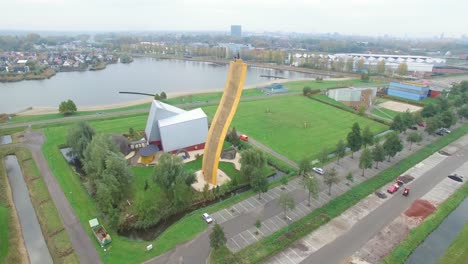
242,205
271,197
287,257
300,210
254,236
221,217
281,220
228,212
250,203
246,241
235,243
273,223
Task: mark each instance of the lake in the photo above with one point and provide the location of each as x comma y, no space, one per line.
147,75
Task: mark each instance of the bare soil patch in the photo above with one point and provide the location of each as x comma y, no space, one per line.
420,209
399,106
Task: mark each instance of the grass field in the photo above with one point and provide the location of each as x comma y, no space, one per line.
458,250
278,122
123,250
299,85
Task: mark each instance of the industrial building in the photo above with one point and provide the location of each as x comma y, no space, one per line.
236,31
172,129
411,91
354,96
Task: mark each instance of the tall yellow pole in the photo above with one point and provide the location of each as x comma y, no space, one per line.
222,119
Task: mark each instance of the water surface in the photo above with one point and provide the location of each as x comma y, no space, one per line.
147,75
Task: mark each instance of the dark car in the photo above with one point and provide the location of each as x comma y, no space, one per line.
456,177
414,128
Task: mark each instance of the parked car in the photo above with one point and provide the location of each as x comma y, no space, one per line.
421,124
244,137
445,130
456,177
414,128
207,218
380,194
318,170
440,132
393,188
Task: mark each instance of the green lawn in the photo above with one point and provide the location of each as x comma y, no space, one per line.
123,250
458,250
30,118
299,85
4,222
278,122
326,99
204,97
384,113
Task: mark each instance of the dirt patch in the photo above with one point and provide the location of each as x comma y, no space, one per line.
399,106
406,178
300,246
420,209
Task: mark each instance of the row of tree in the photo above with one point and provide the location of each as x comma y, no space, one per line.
105,167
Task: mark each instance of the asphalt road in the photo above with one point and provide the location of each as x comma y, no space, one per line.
345,246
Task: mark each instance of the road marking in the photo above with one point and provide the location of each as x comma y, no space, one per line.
288,256
232,238
274,225
243,207
246,241
271,197
250,203
228,212
279,260
281,220
299,209
254,236
220,215
297,254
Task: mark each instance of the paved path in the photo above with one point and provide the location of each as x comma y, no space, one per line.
82,244
362,222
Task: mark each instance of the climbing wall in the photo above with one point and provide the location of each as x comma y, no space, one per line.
222,119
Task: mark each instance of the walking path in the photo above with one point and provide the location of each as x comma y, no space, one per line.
351,230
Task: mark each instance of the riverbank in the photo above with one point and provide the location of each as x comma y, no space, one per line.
259,65
46,74
37,110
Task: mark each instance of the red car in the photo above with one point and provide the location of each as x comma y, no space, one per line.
421,125
244,137
393,188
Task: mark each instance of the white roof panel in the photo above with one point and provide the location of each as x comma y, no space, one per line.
183,117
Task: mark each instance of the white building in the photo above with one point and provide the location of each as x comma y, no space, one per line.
172,128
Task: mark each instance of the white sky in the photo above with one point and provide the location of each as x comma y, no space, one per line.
371,17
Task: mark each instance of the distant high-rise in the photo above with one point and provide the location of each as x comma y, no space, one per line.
236,30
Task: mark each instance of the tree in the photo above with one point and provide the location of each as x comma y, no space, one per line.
378,155
157,96
392,145
398,124
463,112
67,107
78,138
365,161
286,202
329,178
429,110
407,119
174,180
402,69
443,103
311,184
95,155
305,166
381,67
360,65
252,162
413,137
432,124
367,137
323,156
259,182
340,150
448,118
233,137
217,237
350,64
163,96
306,90
354,139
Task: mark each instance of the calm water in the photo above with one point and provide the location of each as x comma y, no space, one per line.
32,234
438,241
146,75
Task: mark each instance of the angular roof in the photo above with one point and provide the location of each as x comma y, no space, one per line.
183,117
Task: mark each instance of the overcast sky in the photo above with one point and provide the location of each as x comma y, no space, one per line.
369,17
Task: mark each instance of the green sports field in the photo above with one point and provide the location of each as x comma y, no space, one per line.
280,122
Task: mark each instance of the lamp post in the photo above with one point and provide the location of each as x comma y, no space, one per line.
289,222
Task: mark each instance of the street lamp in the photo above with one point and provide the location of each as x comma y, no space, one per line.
289,222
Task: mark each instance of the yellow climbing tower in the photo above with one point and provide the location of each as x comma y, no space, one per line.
222,119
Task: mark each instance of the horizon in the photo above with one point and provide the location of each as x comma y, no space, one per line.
416,19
